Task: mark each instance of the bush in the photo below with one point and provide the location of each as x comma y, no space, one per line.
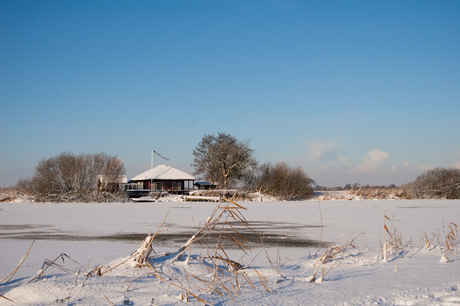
380,193
8,194
281,181
439,183
68,177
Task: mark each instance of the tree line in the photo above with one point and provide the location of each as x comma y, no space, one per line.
220,159
227,162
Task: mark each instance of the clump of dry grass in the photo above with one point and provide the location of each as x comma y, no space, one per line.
331,257
8,194
366,193
451,242
449,248
428,243
54,264
380,193
392,238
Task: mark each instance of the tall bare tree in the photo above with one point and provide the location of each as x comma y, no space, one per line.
222,158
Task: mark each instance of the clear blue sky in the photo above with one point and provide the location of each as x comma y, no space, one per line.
352,91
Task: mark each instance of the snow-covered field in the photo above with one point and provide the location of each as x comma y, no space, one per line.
106,234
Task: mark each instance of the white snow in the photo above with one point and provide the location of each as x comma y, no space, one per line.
414,275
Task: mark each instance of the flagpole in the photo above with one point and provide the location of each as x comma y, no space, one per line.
151,167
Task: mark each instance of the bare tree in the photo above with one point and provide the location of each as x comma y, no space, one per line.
222,158
69,177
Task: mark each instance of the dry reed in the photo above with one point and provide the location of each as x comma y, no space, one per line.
451,242
332,257
392,238
12,273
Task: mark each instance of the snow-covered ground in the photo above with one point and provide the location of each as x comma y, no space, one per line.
107,233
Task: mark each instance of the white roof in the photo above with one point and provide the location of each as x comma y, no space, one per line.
163,172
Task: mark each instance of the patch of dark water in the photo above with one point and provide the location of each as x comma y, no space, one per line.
256,234
421,207
17,227
177,239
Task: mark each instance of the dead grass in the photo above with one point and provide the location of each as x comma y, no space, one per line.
380,193
12,273
8,194
332,257
366,193
392,238
451,242
449,247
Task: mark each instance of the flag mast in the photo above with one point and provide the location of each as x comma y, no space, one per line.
151,167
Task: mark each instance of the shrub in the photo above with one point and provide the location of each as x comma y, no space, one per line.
68,177
281,181
439,183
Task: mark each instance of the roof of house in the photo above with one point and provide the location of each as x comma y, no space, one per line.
163,172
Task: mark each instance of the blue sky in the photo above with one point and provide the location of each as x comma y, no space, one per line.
352,91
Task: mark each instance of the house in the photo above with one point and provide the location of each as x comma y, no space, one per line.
164,178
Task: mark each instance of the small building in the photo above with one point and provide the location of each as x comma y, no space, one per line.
111,184
164,178
205,185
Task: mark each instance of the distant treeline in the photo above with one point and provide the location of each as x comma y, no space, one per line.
439,183
354,186
95,177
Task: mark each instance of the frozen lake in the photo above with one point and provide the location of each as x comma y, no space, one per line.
99,233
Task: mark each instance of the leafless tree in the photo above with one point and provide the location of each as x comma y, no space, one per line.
438,183
69,177
222,158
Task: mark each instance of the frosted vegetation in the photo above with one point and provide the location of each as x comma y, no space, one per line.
74,178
